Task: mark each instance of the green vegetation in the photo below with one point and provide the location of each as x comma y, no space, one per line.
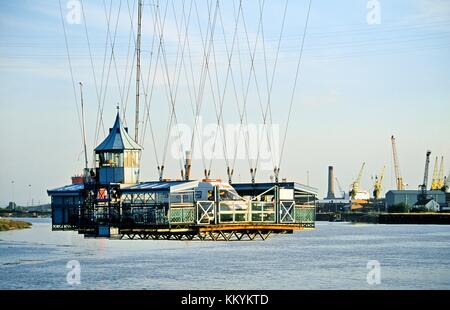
6,225
419,209
399,208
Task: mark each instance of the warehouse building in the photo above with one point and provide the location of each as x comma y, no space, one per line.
409,197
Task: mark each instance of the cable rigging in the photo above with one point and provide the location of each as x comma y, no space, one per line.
70,68
297,73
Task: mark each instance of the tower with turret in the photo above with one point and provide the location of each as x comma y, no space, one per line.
118,157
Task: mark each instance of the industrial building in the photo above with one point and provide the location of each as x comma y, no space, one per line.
410,197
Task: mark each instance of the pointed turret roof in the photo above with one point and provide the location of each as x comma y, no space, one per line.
118,139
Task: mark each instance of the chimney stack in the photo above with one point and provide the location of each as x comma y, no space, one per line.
330,194
187,166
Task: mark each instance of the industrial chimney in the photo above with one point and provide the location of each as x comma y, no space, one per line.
330,194
187,165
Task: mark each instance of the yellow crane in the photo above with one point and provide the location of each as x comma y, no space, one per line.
355,185
438,180
377,188
398,177
435,178
441,177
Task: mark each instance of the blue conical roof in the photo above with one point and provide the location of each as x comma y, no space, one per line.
118,139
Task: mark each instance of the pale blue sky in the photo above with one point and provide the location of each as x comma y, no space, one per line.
359,85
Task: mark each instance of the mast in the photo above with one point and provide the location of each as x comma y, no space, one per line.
86,164
138,70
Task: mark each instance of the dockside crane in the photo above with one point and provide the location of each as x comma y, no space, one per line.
378,186
435,178
398,177
340,187
441,177
421,198
355,185
446,186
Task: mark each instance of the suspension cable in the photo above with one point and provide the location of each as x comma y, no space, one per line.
204,70
90,55
110,61
99,123
125,90
149,97
252,73
173,116
270,86
243,115
222,98
297,74
70,66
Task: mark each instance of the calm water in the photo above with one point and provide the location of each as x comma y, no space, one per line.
334,256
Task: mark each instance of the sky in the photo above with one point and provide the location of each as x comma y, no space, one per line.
360,81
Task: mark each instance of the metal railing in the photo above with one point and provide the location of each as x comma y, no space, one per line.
234,212
305,214
287,211
205,212
182,215
263,211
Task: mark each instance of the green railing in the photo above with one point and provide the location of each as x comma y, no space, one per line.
185,215
305,214
240,212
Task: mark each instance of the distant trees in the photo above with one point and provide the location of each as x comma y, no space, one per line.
418,209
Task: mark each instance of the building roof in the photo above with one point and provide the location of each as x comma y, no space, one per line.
252,188
158,186
415,192
152,186
178,186
118,139
68,189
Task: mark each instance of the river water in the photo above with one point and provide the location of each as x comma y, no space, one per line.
334,256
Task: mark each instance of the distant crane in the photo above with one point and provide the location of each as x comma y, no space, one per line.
398,177
355,185
340,187
435,179
377,188
423,188
446,183
441,177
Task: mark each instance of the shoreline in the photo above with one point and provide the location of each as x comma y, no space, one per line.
386,218
8,225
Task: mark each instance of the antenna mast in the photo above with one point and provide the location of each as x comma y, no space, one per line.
138,70
86,164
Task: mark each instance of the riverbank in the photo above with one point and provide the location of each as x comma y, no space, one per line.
6,225
386,218
19,213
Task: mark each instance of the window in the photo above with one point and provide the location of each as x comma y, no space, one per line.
110,159
132,159
229,195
